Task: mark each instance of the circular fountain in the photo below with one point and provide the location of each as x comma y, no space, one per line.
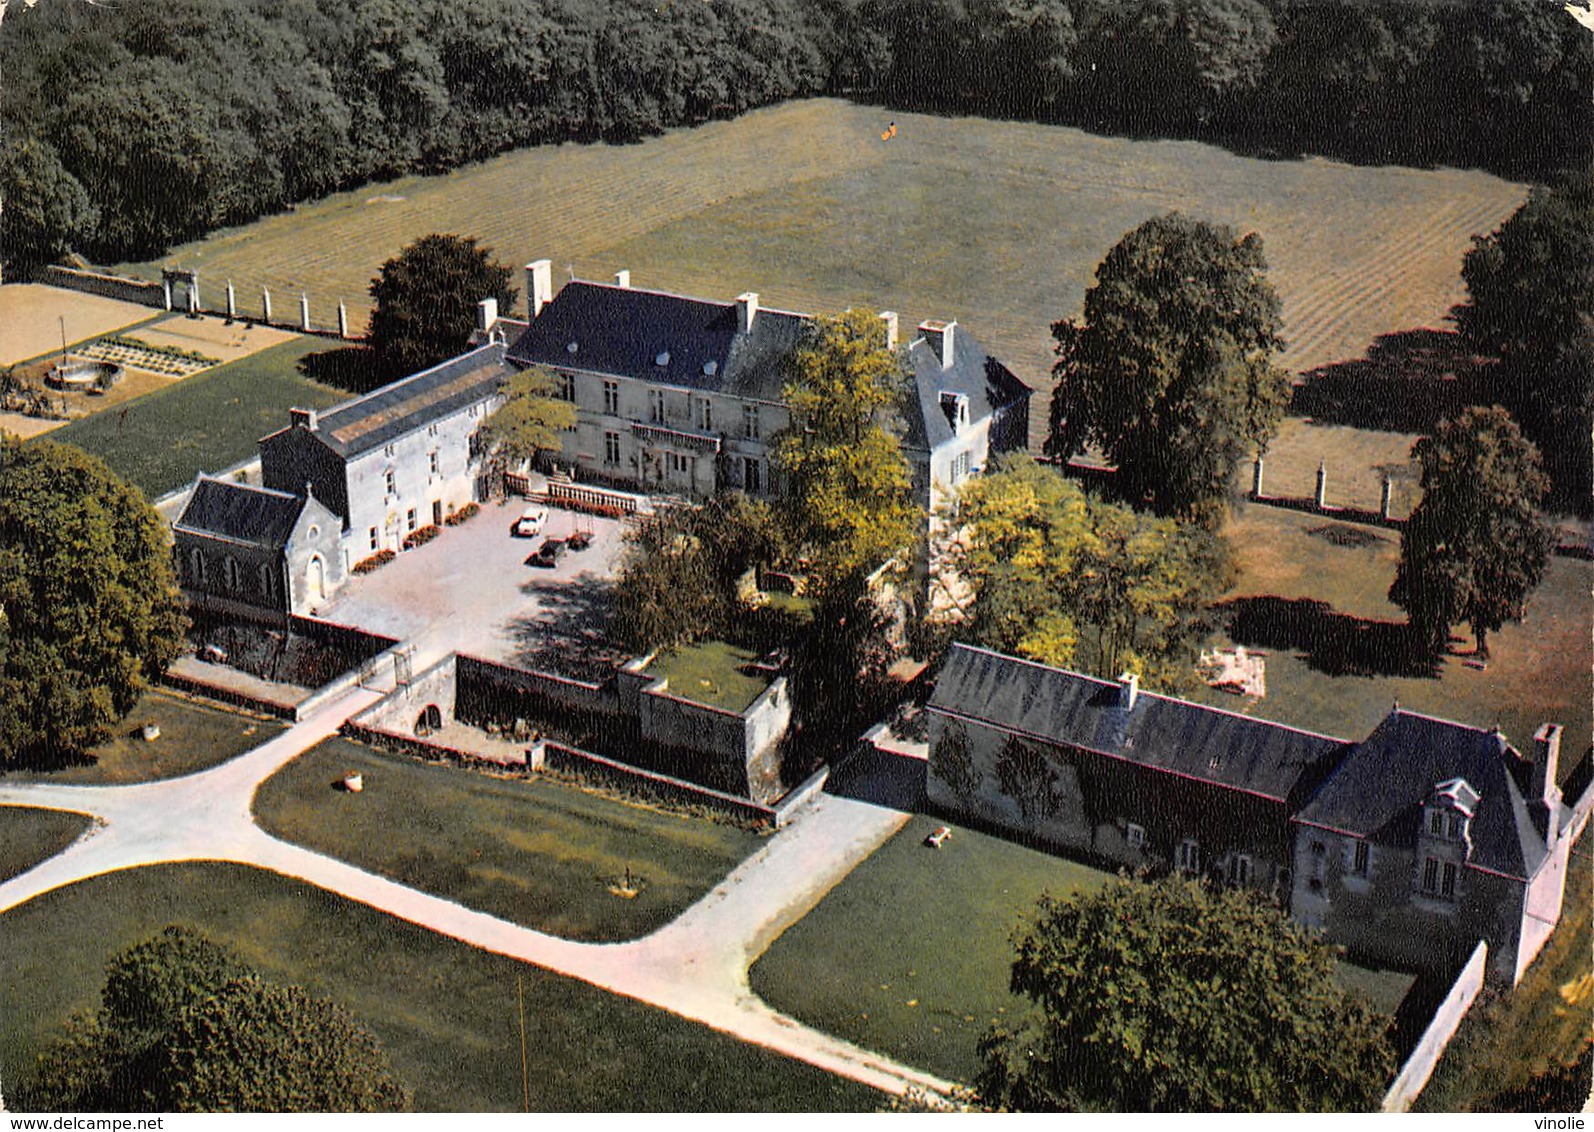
85,375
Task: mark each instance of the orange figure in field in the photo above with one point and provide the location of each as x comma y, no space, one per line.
891,132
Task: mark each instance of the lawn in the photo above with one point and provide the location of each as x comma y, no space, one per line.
203,423
446,1013
28,836
910,954
193,736
1336,670
1508,1038
710,672
539,853
997,224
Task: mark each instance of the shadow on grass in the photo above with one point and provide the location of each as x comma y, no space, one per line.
1334,643
1408,382
350,368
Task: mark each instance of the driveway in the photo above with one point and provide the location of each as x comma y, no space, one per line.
470,590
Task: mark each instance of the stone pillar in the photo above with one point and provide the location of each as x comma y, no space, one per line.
1322,484
232,302
193,294
304,312
1387,499
343,320
1256,477
265,304
166,290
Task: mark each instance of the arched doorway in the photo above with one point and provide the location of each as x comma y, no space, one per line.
316,578
431,720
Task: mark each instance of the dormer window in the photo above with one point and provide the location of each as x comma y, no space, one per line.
956,408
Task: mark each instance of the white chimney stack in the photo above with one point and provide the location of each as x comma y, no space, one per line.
622,278
1129,690
486,314
539,286
890,319
1546,766
940,337
746,311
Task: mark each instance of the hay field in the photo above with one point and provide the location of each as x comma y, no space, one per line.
33,319
997,224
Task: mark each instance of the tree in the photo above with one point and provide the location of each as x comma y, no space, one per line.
89,609
1531,306
1475,547
1172,371
530,419
426,300
1167,997
848,479
1073,581
185,1025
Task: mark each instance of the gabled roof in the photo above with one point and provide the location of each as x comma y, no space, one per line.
1379,789
658,337
1167,734
987,383
410,403
240,512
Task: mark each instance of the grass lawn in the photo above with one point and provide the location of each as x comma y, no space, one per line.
910,954
1508,1038
193,736
446,1013
28,836
710,672
1337,674
536,852
203,423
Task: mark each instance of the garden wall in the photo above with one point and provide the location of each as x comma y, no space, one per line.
598,770
1420,1065
106,286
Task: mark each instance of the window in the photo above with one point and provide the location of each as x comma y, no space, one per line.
1457,825
431,430
752,473
432,463
409,520
374,543
1436,823
196,566
1188,856
611,449
392,482
388,451
567,387
1358,865
1447,882
315,532
750,421
229,572
960,467
656,406
611,398
437,512
705,415
1135,835
1430,875
1240,869
263,574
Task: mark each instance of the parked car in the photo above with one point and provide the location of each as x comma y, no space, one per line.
938,837
529,525
548,554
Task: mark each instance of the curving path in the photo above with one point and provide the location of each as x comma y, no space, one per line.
695,966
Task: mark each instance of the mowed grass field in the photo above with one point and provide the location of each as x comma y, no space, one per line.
999,225
29,836
447,1014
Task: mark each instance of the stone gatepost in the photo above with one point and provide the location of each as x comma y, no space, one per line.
232,302
343,321
1387,499
304,312
193,295
1322,484
265,305
166,291
1256,477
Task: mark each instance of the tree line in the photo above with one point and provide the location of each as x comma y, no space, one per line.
136,126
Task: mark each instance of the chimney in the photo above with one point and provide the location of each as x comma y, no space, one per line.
1546,764
302,418
890,319
1128,690
539,286
746,311
486,314
940,337
622,278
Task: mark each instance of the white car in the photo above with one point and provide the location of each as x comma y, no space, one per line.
529,525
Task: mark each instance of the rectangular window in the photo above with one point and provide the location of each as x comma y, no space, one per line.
1456,825
1358,865
656,406
388,451
432,461
431,430
1188,856
374,543
392,483
611,398
1135,835
1240,869
437,512
1430,875
750,421
1436,823
567,387
960,467
1447,882
752,474
611,449
409,520
705,415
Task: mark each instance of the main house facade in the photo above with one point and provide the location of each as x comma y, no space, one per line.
1406,848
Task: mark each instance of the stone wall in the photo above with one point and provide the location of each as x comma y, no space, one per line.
587,767
1414,1074
106,286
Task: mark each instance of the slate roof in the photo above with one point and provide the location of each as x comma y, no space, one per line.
624,331
240,512
1160,732
986,382
1379,789
410,403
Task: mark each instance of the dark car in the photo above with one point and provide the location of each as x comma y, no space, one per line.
548,554
580,540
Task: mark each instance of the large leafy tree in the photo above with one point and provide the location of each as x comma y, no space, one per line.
1168,997
1073,581
1531,306
1475,547
426,300
1172,371
89,609
530,419
186,1026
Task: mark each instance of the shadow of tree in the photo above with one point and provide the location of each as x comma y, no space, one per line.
569,635
1408,382
1334,643
350,368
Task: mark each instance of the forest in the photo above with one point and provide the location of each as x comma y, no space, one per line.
135,126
